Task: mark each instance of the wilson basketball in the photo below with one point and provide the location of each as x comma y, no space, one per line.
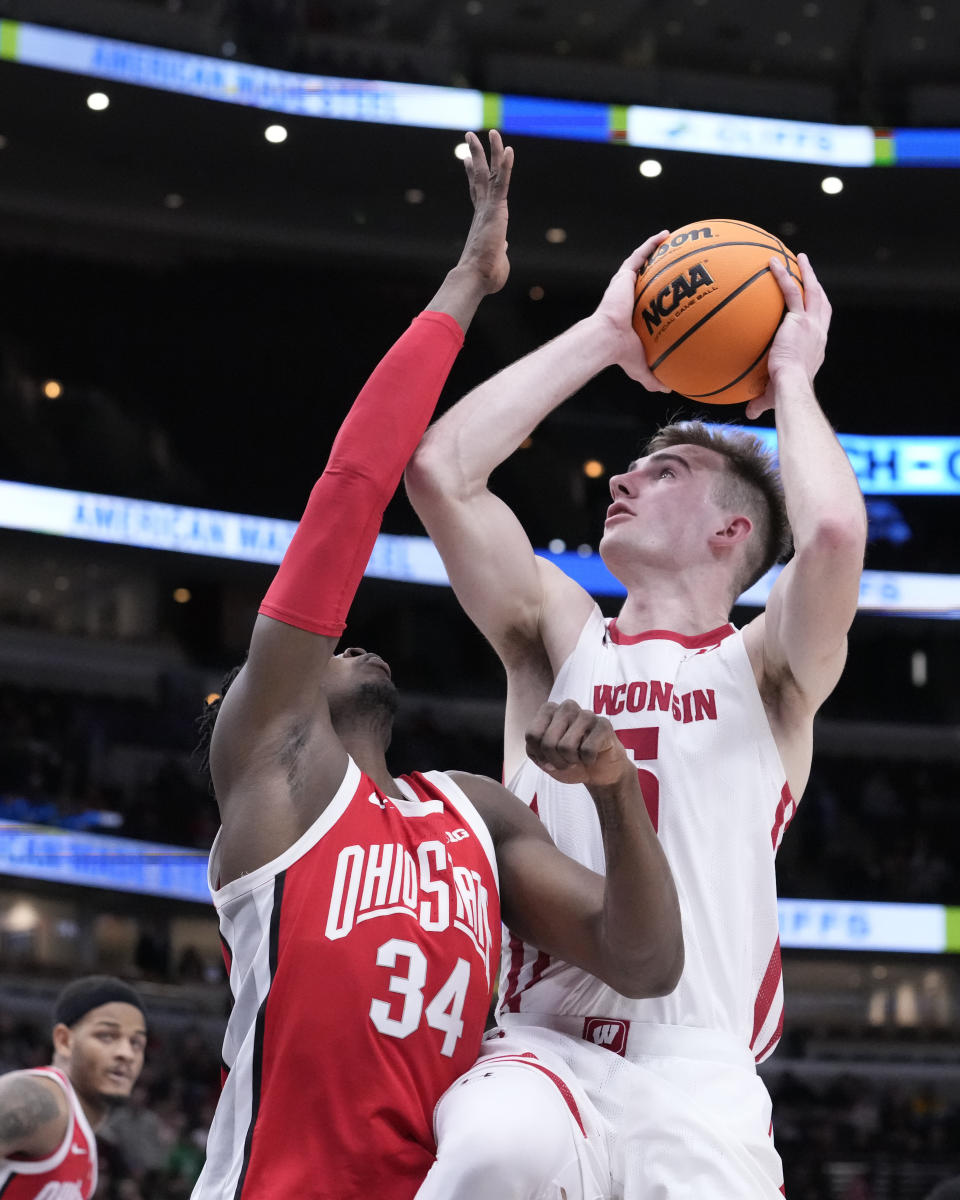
708,307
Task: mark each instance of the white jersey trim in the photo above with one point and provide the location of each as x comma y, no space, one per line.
34,1166
307,840
462,803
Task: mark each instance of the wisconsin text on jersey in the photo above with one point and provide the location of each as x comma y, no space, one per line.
700,704
384,880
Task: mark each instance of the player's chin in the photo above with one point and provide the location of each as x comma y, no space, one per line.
114,1089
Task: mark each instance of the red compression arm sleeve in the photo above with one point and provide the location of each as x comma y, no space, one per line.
324,563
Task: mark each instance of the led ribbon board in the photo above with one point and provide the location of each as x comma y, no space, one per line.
427,107
892,466
149,525
176,873
95,860
859,925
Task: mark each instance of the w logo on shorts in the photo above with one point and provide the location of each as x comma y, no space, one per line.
607,1032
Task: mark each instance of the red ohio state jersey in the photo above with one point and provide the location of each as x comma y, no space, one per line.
70,1173
361,964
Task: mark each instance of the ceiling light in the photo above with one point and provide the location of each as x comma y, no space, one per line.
650,168
98,101
832,185
182,595
556,545
556,235
536,292
53,389
275,134
173,200
462,151
414,195
593,468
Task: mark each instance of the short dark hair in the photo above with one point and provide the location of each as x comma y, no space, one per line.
751,482
82,995
206,721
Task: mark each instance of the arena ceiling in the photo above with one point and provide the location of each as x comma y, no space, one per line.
340,191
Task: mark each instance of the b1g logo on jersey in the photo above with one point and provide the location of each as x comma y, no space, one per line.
607,1032
386,880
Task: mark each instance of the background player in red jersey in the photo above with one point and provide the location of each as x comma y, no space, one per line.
719,722
360,913
48,1114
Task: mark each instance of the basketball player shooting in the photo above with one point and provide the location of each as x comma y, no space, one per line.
360,913
718,722
49,1115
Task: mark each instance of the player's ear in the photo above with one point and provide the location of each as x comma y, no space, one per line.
733,532
62,1038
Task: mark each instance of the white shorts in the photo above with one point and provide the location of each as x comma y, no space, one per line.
514,1127
669,1113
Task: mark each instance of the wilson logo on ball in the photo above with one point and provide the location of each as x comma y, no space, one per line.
678,239
667,299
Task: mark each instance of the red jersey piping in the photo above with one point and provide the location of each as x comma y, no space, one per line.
695,641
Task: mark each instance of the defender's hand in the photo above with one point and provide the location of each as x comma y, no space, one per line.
616,308
801,341
577,746
485,250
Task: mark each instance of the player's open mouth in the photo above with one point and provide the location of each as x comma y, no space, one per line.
617,510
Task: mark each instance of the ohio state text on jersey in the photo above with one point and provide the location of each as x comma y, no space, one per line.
688,711
361,964
70,1173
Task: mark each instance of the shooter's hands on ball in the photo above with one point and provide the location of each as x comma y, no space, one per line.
485,250
799,347
576,746
616,307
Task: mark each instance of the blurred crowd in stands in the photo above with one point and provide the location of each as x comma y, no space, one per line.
865,830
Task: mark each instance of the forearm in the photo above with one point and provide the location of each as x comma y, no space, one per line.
484,428
324,563
820,488
639,927
460,294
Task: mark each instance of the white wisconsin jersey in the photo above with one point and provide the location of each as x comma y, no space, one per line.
689,713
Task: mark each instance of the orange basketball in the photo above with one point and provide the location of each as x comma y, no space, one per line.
707,308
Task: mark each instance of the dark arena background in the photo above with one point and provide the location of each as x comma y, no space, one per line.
188,310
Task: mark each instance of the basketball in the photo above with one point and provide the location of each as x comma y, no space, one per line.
707,309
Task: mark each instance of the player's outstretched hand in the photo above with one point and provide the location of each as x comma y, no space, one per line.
485,250
616,307
576,746
801,341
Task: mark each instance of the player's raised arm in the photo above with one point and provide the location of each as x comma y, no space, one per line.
520,604
803,633
34,1115
274,717
623,928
